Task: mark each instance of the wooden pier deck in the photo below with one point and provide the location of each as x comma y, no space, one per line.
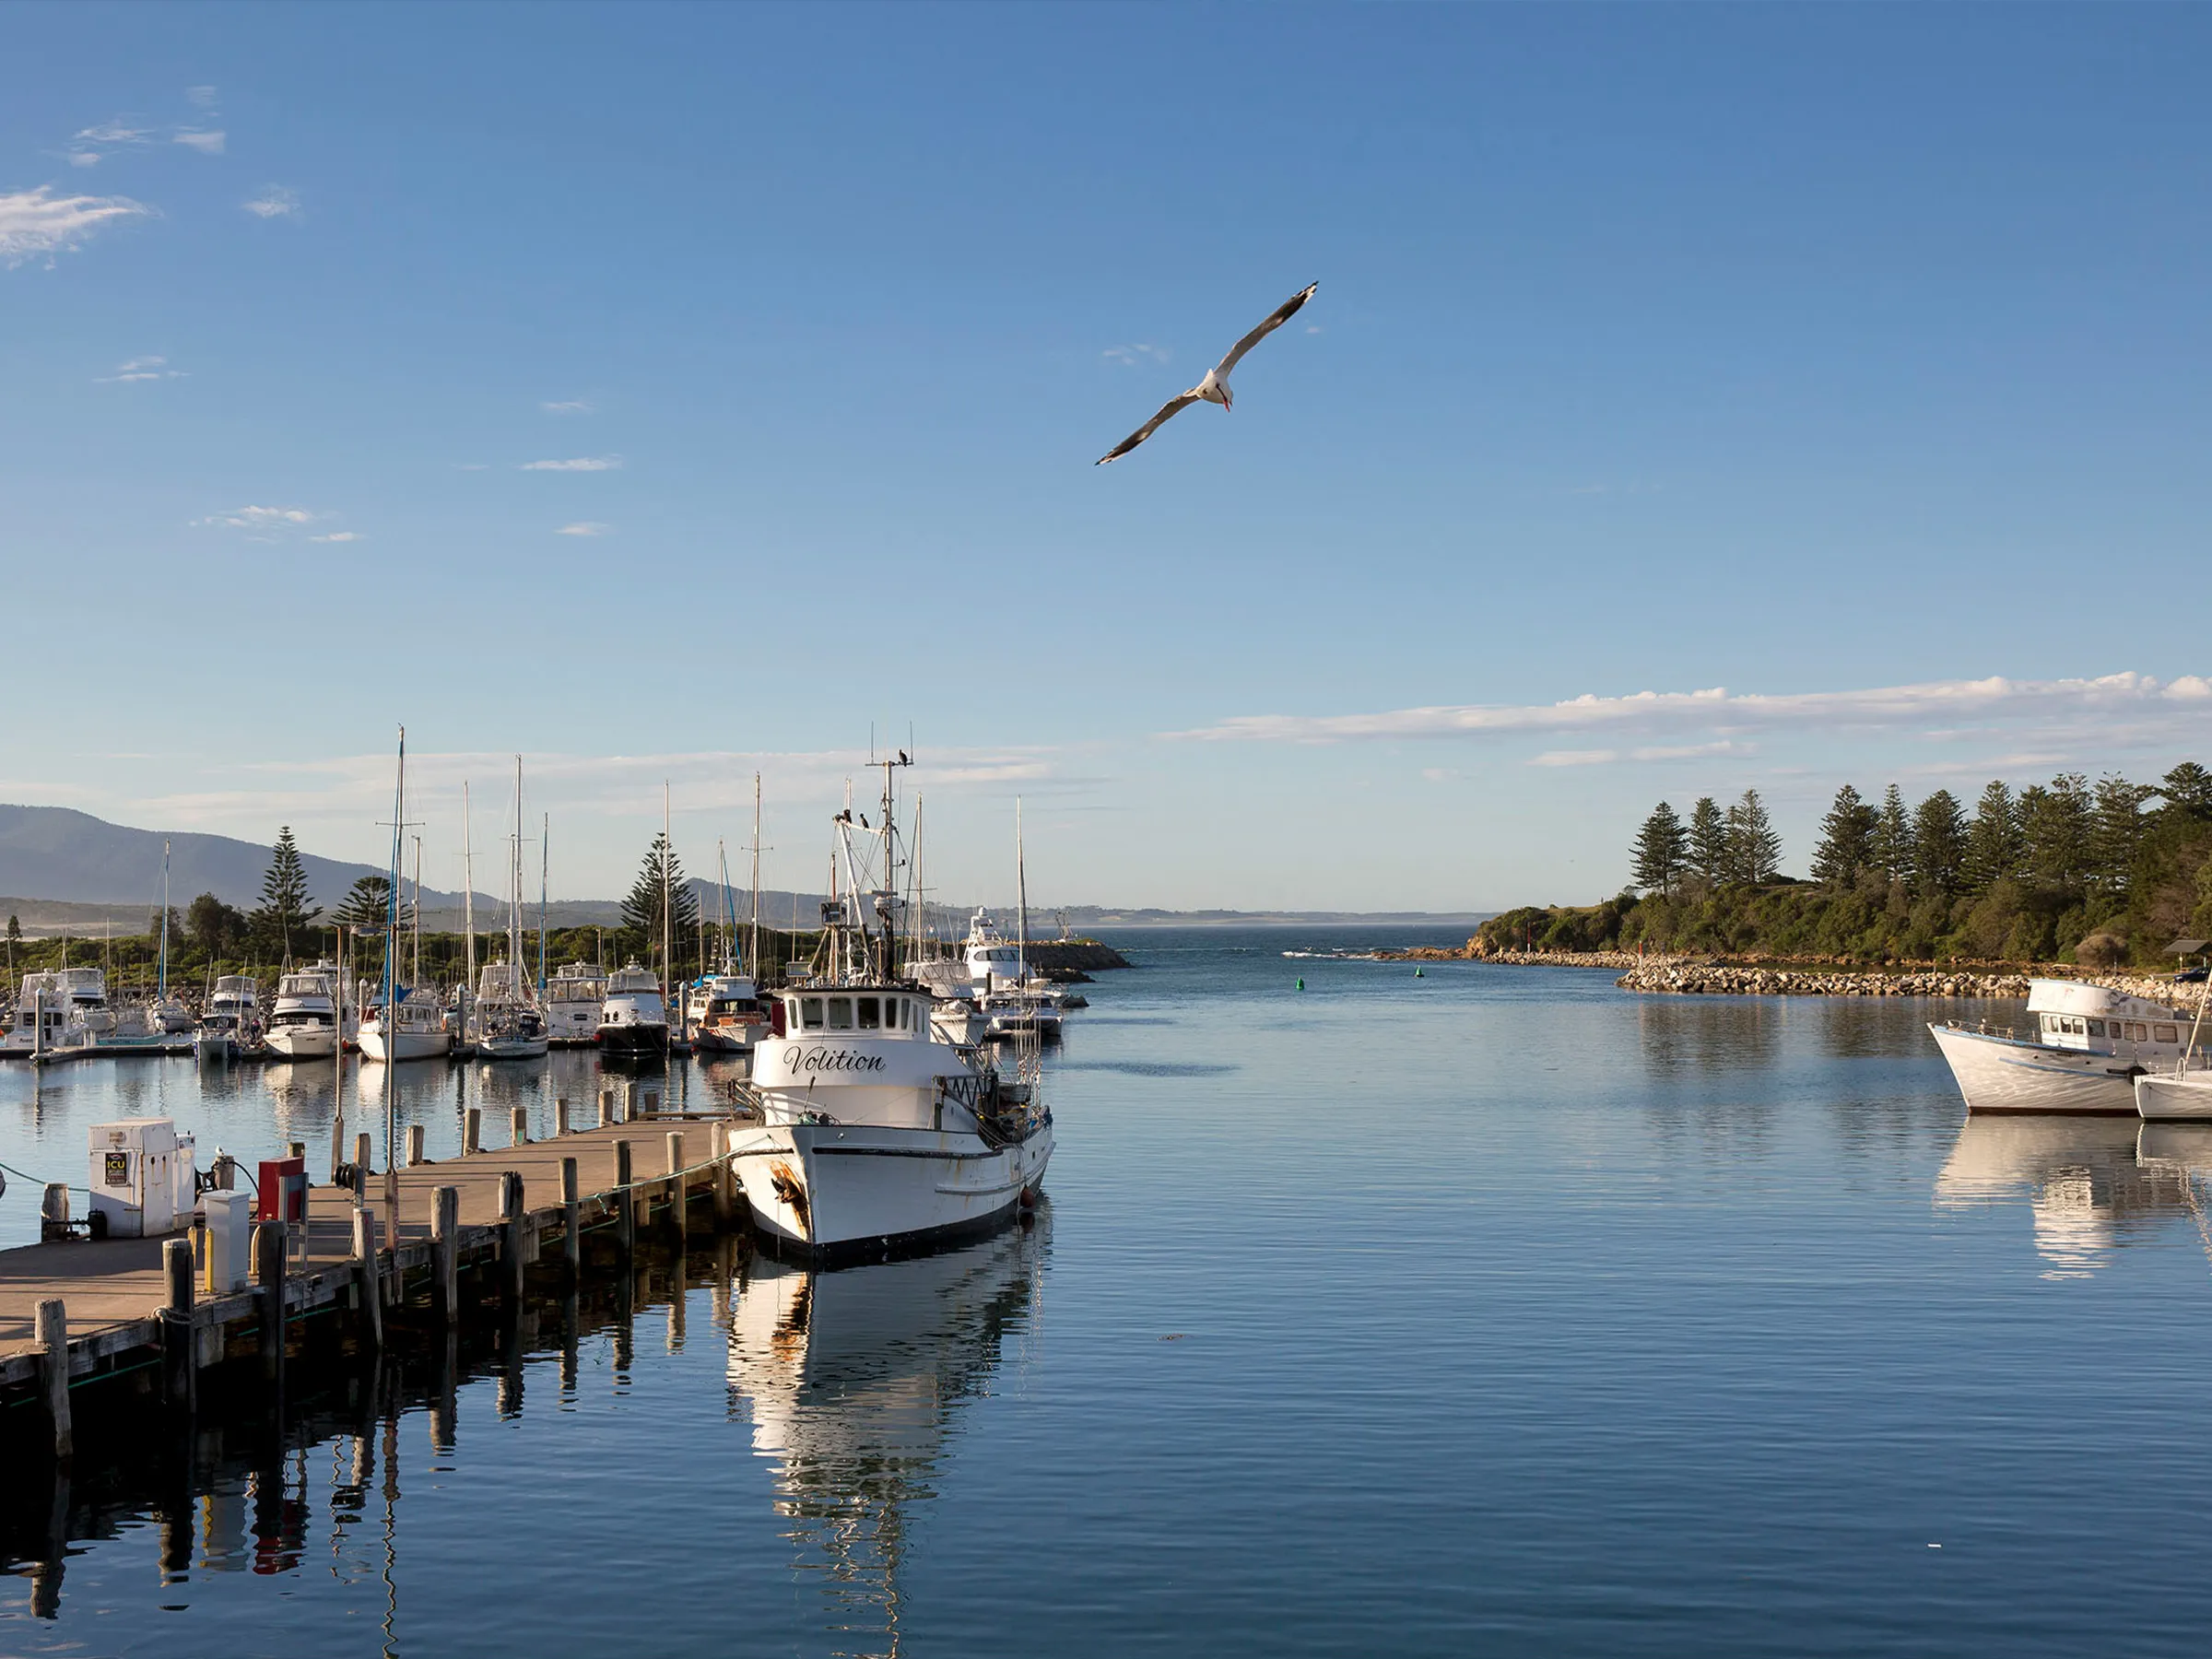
115,1291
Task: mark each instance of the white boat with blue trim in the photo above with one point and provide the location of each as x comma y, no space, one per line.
2089,1045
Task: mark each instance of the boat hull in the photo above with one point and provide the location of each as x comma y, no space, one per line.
2005,1074
304,1042
408,1045
512,1048
829,1191
636,1037
2174,1100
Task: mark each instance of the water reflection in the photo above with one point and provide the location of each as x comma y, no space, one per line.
852,1381
2093,1184
1696,1035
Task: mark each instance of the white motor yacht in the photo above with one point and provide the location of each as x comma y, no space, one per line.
46,1020
574,999
633,1020
420,1032
229,1029
875,1133
304,1022
2090,1047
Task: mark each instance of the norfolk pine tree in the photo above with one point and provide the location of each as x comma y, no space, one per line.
1660,850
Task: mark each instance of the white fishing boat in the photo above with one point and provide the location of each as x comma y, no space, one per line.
726,1014
572,1003
304,1020
507,1023
46,1021
418,1030
2089,1045
633,1017
876,1135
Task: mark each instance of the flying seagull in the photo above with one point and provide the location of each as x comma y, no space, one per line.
1214,388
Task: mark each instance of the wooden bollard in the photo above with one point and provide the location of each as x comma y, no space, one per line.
518,1126
511,1234
268,1246
179,1372
414,1146
366,1276
362,1163
472,1130
606,1106
725,1179
676,1182
652,1102
626,1218
52,1334
445,1254
572,1233
561,1114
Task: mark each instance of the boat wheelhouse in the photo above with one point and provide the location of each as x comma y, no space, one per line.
726,1014
2089,1045
572,1001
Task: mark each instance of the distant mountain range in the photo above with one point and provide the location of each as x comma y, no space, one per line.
76,872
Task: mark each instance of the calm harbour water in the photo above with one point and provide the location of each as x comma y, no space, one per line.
1493,1311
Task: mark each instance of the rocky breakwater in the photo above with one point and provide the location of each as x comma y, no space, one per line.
1072,961
1721,979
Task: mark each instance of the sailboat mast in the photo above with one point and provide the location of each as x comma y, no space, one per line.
545,863
752,949
514,895
164,919
399,818
468,909
1022,890
667,897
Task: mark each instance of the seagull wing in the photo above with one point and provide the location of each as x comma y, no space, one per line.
1282,315
1181,400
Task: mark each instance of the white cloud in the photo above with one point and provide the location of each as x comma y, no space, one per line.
1312,328
141,368
1979,702
581,464
1128,355
587,527
275,201
339,536
37,222
116,133
200,97
208,143
575,406
267,521
84,158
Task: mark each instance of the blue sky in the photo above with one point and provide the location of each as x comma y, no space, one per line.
669,392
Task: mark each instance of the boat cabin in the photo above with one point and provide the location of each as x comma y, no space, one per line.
2095,1019
887,1011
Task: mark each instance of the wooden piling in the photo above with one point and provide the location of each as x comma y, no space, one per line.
268,1247
572,1232
415,1155
511,1235
606,1106
561,1114
445,1254
52,1334
362,1165
471,1132
179,1371
726,1178
518,1126
676,1182
626,1215
370,1289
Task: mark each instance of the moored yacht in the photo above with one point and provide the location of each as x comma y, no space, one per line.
230,1028
875,1133
2091,1045
504,1021
725,1014
632,1017
418,1032
572,1002
304,1022
46,1019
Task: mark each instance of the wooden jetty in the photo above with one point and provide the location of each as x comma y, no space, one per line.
468,1230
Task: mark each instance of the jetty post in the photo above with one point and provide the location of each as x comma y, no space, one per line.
512,1224
445,1254
50,1331
415,1133
561,1114
676,1182
572,1233
269,1249
369,1287
471,1132
179,1364
606,1104
626,1215
518,1126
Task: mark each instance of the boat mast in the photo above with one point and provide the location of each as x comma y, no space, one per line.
752,964
1021,891
545,863
415,971
514,895
667,899
468,912
164,991
399,818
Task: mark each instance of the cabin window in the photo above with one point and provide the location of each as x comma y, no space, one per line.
2134,1031
840,1013
906,1015
2165,1033
2096,1027
870,1014
811,1014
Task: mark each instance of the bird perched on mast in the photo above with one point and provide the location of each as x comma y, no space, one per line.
1214,388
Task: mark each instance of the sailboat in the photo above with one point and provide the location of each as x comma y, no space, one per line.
726,1015
408,1024
509,1023
875,1133
167,1014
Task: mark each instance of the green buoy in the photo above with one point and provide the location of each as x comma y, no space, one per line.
1301,984
1420,973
